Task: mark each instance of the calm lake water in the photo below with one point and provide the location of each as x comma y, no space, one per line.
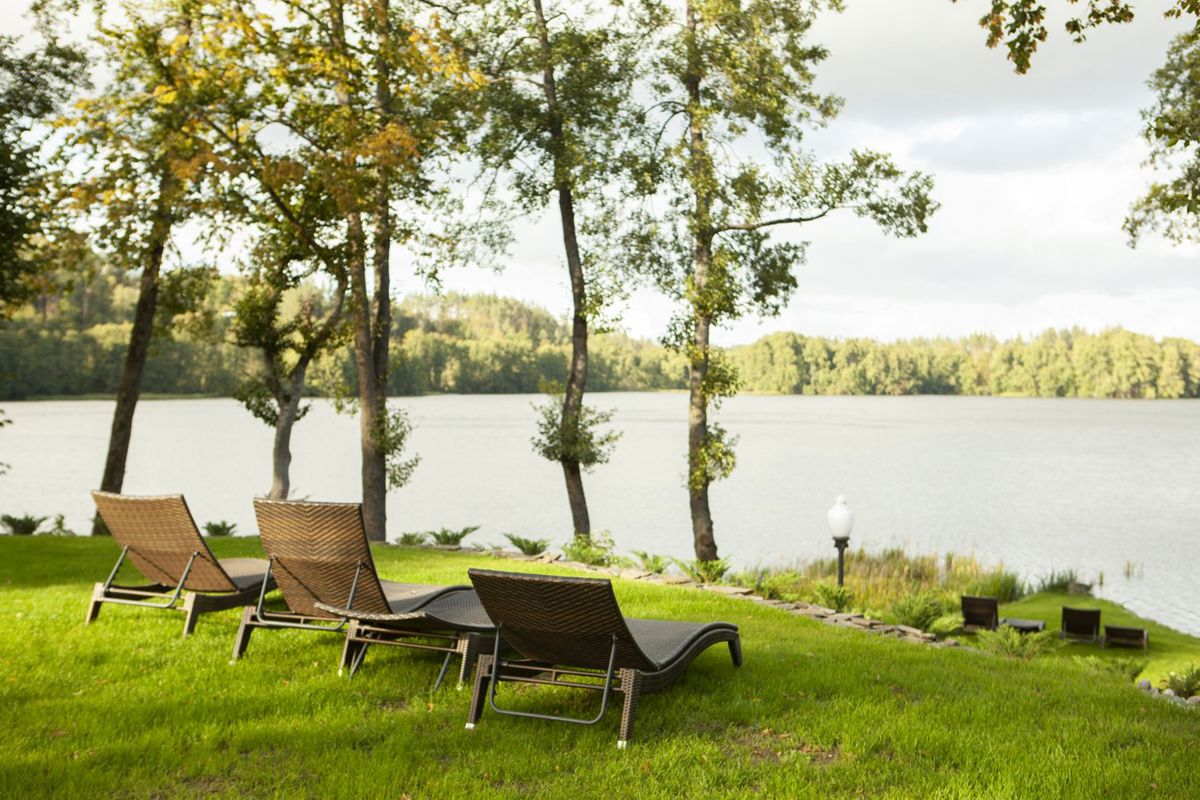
1035,484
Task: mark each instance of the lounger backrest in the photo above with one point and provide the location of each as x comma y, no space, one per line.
556,620
1081,621
981,611
315,551
161,537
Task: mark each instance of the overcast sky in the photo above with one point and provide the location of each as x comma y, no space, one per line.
1035,174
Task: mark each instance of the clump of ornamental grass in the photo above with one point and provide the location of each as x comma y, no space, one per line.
528,547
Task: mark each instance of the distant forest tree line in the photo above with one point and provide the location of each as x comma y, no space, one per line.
71,341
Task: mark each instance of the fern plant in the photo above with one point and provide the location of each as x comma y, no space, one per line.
24,525
220,528
450,537
649,562
528,547
705,571
411,539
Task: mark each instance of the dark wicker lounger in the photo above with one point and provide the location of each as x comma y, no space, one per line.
1120,636
160,537
1080,624
566,631
320,558
984,612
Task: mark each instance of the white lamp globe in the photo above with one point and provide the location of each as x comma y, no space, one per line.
841,518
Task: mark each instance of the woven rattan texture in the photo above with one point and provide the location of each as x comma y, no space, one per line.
316,549
161,536
1081,621
559,620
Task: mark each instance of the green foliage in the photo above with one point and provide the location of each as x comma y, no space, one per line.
24,525
74,342
1184,684
1126,668
715,460
1007,587
412,539
948,625
1008,641
450,536
59,527
702,571
1057,581
920,610
220,528
392,437
528,547
572,439
597,550
649,562
830,595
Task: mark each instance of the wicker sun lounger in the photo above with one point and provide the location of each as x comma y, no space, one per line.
570,632
984,612
320,559
160,537
1119,636
1080,624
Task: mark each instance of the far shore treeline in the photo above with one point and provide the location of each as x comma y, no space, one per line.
72,342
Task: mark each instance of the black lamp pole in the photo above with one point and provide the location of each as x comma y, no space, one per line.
841,543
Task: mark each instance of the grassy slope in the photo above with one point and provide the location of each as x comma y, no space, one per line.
1170,650
127,709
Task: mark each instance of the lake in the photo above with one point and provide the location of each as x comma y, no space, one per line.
1035,484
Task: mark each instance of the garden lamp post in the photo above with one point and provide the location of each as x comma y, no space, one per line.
841,522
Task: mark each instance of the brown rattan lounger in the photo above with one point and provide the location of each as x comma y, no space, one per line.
320,558
160,537
1080,624
984,612
566,631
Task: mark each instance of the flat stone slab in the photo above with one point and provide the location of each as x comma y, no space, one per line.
634,574
732,590
677,580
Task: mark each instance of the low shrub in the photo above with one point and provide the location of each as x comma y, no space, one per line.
412,539
59,528
704,571
449,537
596,550
948,625
220,528
528,547
830,595
24,525
1007,587
1127,668
1058,581
1184,684
1008,641
649,562
919,610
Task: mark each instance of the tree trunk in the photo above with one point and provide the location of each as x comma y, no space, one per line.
375,327
281,454
701,179
130,387
577,370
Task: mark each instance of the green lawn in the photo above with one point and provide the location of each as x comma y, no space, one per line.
126,709
1170,650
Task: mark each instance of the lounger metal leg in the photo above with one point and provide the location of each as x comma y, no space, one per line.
735,650
94,604
192,611
359,654
631,687
483,672
243,635
442,672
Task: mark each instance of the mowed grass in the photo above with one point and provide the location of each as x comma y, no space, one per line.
1170,650
126,709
